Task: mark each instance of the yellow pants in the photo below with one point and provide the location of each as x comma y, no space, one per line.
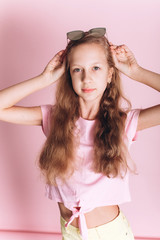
117,229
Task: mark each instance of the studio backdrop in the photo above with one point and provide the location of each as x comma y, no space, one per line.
31,33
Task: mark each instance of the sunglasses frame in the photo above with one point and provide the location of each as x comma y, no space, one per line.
80,34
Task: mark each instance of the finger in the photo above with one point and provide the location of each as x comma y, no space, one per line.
128,52
63,56
126,48
60,52
57,57
113,46
118,49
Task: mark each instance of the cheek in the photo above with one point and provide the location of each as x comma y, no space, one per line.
104,83
103,86
75,84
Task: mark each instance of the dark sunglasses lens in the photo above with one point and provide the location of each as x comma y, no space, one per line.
98,31
75,35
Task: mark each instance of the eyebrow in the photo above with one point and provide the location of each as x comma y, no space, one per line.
91,64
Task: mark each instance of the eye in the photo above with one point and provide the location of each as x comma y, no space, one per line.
96,68
76,70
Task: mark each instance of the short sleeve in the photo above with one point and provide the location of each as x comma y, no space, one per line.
46,114
131,125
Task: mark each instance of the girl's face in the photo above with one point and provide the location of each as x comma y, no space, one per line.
89,71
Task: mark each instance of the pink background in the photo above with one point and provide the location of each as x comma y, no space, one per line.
31,32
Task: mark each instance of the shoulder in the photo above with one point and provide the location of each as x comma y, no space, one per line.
132,117
131,124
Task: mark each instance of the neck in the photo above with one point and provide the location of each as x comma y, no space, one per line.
88,110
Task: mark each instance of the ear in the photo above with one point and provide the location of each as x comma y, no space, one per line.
110,73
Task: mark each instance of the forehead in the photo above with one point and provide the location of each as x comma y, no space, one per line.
87,53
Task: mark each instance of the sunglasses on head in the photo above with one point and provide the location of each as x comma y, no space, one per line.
78,34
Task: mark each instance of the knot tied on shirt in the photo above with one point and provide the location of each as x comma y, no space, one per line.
77,212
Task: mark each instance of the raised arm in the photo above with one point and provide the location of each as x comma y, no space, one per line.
126,63
12,95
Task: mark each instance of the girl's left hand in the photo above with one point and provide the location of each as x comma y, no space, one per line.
124,59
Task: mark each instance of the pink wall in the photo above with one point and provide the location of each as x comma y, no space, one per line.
31,32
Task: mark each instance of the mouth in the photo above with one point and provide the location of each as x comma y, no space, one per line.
88,90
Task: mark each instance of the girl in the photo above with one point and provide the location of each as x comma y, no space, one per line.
85,158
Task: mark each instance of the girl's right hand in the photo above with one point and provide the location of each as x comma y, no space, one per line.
55,68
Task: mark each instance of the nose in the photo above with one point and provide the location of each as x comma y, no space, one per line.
86,76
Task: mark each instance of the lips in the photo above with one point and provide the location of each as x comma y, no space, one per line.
88,90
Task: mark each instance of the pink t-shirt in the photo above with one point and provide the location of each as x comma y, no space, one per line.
86,189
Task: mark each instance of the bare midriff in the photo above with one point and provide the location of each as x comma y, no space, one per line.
97,217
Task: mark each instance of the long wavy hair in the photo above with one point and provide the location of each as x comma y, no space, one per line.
57,158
